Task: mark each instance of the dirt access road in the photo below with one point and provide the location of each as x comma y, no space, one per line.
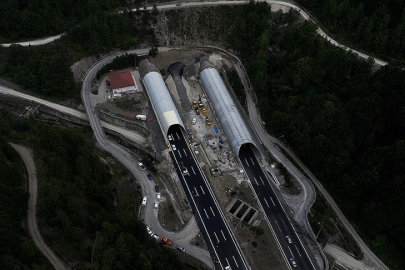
26,155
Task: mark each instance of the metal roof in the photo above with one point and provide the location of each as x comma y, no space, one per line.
231,120
161,101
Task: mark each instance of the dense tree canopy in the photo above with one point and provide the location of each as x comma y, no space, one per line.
376,26
17,250
344,120
78,201
26,19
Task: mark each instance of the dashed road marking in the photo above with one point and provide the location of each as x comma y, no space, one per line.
273,202
185,152
206,214
252,161
247,163
203,192
298,250
237,265
212,211
223,235
193,170
266,202
216,237
255,180
261,180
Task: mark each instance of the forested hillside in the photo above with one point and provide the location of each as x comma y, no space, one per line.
27,19
375,26
17,249
345,122
79,201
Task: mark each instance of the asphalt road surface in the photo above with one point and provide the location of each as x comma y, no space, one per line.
277,217
218,236
26,156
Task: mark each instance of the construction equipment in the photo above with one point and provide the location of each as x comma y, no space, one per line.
166,241
204,111
208,121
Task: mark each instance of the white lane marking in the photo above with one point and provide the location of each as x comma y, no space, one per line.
223,235
179,154
266,202
226,259
284,224
206,214
203,192
246,162
290,251
185,152
297,250
193,170
178,137
261,180
216,237
255,180
237,265
212,210
278,226
196,191
252,161
273,202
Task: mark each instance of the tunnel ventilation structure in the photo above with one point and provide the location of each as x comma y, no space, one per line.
159,96
230,118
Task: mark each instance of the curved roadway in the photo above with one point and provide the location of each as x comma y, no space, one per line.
26,155
278,5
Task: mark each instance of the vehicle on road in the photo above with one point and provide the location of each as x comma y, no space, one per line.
170,137
150,177
158,197
166,241
157,189
288,239
194,121
208,121
293,263
156,236
144,201
149,230
140,164
197,111
156,205
174,147
227,267
181,248
141,117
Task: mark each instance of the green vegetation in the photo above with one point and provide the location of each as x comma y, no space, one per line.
376,26
24,19
344,121
80,205
17,249
119,62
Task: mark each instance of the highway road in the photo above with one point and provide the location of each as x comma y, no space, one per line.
217,234
278,219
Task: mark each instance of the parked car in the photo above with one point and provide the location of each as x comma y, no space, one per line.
194,121
156,236
181,248
157,189
150,176
141,166
158,197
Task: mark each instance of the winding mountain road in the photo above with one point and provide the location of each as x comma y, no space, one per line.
26,155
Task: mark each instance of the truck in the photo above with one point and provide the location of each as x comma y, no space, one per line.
141,117
166,241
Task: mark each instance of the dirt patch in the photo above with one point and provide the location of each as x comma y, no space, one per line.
167,215
163,59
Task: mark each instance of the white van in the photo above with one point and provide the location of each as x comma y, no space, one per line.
144,201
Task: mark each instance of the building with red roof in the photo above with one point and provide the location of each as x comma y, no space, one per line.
122,82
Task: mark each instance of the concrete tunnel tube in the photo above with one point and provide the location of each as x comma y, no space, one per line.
229,116
160,99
